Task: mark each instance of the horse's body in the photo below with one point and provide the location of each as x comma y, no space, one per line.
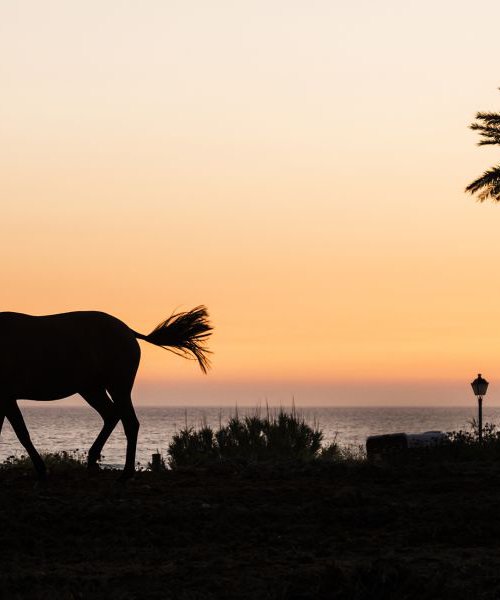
52,357
89,353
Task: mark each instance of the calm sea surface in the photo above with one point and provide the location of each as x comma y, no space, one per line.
56,428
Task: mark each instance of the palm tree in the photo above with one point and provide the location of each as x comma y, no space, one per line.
488,185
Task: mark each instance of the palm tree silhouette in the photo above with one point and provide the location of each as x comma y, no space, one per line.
488,185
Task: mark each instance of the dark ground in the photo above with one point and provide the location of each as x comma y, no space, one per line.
327,532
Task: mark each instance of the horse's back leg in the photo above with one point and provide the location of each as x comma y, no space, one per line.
99,400
15,418
123,402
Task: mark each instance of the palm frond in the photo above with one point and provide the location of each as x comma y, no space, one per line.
487,186
490,133
489,118
493,141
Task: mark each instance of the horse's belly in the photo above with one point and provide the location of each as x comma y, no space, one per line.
44,394
42,380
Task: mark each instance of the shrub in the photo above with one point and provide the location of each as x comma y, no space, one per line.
465,444
192,447
345,454
54,461
282,437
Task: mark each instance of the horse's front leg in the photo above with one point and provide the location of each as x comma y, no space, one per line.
15,418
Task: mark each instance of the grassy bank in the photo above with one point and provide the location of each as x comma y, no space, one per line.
353,531
314,526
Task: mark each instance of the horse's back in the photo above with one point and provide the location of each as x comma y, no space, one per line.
69,323
78,326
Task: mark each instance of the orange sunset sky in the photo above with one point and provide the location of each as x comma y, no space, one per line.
296,166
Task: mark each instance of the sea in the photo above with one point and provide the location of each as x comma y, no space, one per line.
72,428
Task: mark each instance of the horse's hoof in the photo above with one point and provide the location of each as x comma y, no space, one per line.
93,468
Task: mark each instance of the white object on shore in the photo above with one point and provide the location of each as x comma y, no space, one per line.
428,438
377,445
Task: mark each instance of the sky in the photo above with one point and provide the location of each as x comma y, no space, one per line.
298,167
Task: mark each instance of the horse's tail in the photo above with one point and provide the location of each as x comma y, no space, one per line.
184,334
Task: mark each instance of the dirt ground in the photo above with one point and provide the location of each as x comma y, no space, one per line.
328,532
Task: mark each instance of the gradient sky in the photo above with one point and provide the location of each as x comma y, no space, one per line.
298,167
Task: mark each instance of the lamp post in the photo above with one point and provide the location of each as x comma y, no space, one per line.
479,386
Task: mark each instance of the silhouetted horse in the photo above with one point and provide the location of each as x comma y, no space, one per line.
89,353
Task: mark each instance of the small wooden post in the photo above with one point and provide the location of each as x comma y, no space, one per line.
156,463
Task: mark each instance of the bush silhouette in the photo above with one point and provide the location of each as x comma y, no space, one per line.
252,439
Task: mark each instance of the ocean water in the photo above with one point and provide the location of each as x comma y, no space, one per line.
56,428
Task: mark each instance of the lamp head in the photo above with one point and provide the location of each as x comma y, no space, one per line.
479,386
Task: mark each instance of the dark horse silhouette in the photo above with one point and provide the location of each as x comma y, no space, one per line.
92,354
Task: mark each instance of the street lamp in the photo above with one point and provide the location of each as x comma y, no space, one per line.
479,386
